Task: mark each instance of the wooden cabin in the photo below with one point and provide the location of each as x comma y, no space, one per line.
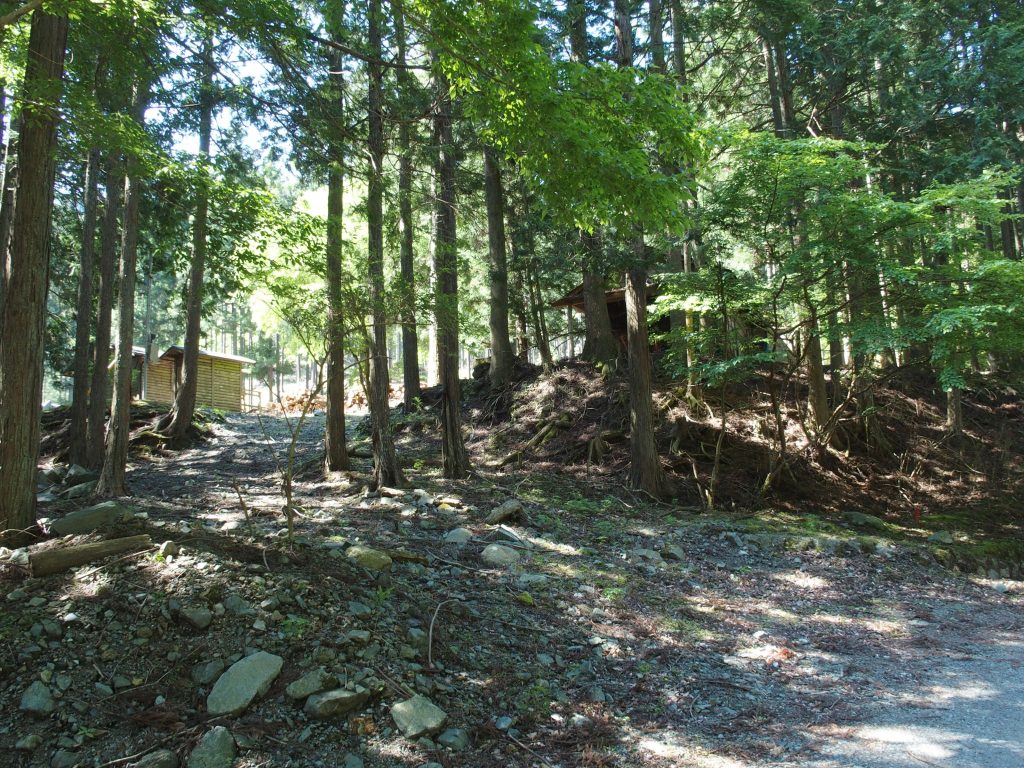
219,382
616,301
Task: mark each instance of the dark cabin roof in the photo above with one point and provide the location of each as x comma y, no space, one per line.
176,351
574,298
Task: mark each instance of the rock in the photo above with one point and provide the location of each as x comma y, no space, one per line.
418,716
359,610
215,750
94,518
503,723
864,521
168,549
37,700
243,683
499,555
532,579
458,537
504,533
206,673
76,475
580,721
647,554
351,760
369,558
324,706
505,511
941,537
162,758
197,618
314,681
456,739
673,552
64,758
238,605
79,491
29,743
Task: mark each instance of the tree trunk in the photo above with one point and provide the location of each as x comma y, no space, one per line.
501,347
99,388
335,448
83,315
24,311
410,340
178,422
112,478
599,345
385,462
645,470
446,299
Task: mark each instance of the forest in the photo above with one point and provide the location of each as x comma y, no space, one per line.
512,382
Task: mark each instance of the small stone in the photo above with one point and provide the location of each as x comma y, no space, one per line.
546,659
580,721
215,750
314,681
238,605
503,723
168,549
455,739
337,703
37,700
359,610
505,511
498,555
941,537
64,758
458,537
206,673
673,552
197,618
243,683
29,743
418,716
369,558
162,758
351,760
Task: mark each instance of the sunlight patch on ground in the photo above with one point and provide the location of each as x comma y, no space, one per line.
667,747
874,624
802,580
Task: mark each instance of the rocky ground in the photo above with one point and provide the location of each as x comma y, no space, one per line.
508,620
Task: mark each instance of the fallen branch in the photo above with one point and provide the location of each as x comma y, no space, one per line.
60,559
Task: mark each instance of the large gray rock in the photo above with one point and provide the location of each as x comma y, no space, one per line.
862,520
324,706
215,750
243,683
458,536
369,558
941,537
505,511
314,681
162,758
418,716
37,700
94,518
499,555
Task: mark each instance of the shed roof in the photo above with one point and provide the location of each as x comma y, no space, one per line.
177,351
574,298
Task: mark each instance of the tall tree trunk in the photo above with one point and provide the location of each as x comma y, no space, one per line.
501,347
178,422
645,470
335,447
99,387
599,345
24,311
112,478
656,23
410,339
385,462
454,458
83,315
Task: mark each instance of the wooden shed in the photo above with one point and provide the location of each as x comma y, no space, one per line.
219,382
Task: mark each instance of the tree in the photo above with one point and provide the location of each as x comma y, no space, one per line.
502,356
24,311
178,422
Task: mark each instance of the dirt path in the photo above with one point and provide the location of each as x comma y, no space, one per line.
621,637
